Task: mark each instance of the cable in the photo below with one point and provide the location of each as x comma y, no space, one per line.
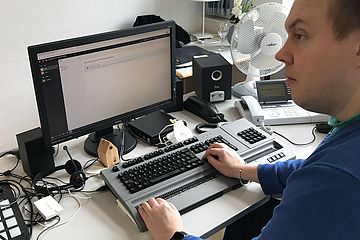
270,131
299,144
122,144
57,224
200,128
48,228
16,153
87,196
161,143
90,162
265,128
56,152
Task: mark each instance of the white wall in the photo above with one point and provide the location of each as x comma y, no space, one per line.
28,22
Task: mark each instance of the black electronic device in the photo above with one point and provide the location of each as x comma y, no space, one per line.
274,91
323,127
12,224
179,84
212,77
89,84
35,155
72,167
152,127
203,109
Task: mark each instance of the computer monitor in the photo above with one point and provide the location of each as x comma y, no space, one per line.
90,84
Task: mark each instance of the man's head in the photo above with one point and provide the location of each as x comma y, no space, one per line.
322,56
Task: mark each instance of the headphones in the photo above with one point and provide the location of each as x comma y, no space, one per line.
72,167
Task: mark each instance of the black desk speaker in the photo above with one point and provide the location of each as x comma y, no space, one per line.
35,156
212,78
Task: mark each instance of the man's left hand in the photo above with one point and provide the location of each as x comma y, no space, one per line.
161,218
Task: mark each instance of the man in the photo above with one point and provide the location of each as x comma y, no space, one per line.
321,195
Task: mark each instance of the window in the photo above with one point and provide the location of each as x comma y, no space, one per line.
221,8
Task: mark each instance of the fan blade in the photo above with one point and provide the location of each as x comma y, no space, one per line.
275,24
247,43
261,61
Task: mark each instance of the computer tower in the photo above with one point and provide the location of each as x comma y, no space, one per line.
35,156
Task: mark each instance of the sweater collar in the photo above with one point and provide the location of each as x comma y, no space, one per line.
337,125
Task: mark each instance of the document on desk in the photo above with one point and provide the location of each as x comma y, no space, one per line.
184,55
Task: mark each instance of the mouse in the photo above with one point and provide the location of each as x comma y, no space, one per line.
323,128
204,109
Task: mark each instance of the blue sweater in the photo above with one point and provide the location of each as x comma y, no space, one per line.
321,195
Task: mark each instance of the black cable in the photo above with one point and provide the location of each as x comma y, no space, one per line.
200,127
46,229
299,144
100,189
16,153
122,144
87,164
4,153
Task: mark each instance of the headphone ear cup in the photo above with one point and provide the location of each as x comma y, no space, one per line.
72,166
77,179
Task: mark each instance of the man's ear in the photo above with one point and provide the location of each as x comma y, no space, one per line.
358,51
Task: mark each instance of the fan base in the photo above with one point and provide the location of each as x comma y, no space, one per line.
247,88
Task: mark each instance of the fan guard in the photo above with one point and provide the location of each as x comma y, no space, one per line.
256,38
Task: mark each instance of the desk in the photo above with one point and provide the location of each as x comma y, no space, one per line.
100,217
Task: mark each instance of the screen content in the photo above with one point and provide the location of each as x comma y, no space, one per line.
270,91
273,90
83,87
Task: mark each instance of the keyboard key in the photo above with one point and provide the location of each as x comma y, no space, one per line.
8,213
11,222
165,176
14,232
4,235
4,204
12,225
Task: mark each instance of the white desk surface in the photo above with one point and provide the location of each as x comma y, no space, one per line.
101,218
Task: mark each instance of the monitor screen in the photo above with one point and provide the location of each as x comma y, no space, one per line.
89,84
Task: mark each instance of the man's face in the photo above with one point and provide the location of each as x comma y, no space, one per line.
317,65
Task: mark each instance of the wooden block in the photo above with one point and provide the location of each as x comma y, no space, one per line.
108,153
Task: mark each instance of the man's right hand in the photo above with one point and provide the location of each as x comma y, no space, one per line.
224,159
229,163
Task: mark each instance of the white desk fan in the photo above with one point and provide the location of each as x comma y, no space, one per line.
256,38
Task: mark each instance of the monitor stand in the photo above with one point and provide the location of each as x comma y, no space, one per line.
114,136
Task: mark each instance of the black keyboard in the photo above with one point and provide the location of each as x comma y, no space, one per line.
167,166
12,225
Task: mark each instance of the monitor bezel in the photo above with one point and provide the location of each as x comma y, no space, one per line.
34,50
